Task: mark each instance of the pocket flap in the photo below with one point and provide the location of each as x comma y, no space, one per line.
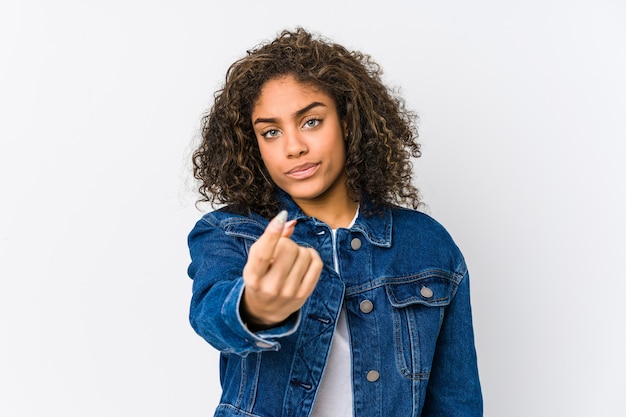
432,290
244,228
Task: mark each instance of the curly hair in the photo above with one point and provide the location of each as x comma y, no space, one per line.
382,132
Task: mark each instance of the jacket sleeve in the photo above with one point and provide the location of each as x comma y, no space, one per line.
454,387
217,261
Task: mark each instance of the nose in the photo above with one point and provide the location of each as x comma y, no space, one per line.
295,145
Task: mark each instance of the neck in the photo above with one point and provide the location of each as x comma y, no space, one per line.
335,214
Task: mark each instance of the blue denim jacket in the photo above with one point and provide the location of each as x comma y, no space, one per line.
405,287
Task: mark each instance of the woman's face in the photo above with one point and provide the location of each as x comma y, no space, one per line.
301,140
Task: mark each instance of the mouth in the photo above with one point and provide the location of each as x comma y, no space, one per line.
303,171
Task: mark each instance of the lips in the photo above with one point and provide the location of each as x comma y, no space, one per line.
303,171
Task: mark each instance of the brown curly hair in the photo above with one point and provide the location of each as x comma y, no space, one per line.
382,132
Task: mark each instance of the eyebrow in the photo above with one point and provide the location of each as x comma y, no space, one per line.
296,114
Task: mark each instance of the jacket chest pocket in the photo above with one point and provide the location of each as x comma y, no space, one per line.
418,307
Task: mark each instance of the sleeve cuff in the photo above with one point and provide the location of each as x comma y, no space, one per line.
261,340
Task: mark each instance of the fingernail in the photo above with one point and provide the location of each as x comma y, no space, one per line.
281,217
290,223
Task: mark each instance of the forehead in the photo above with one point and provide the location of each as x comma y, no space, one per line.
286,94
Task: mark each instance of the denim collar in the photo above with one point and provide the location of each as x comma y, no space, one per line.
376,227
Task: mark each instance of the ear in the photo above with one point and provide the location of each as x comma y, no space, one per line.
346,133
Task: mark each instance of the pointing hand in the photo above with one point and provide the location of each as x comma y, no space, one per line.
279,275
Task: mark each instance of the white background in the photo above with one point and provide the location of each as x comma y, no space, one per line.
523,125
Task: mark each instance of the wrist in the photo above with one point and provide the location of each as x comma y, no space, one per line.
254,322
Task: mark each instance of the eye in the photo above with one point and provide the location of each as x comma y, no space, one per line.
312,122
270,133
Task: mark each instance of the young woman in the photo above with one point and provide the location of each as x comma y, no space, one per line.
345,303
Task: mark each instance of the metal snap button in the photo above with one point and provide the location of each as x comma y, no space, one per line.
426,292
366,306
356,243
372,376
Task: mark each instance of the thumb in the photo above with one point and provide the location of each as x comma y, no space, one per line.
262,251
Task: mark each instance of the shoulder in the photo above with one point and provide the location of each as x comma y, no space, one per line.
417,221
425,235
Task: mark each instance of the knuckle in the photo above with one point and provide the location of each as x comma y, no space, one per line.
316,260
304,253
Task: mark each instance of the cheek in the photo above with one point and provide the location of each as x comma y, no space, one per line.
339,150
265,154
268,161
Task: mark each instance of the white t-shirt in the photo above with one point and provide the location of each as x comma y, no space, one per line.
334,397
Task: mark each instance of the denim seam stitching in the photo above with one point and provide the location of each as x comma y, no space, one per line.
453,277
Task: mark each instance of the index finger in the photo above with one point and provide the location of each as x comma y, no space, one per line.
262,251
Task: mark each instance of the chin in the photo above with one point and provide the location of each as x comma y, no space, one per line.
305,195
